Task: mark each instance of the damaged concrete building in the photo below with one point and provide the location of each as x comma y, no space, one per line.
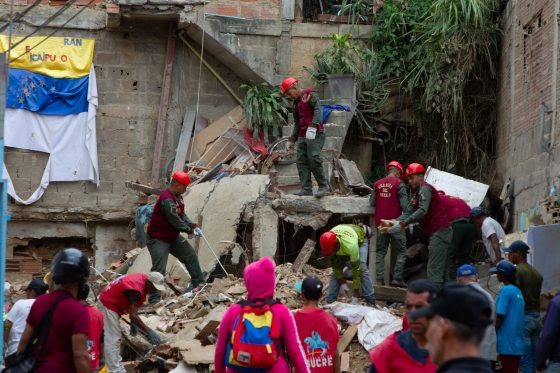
155,61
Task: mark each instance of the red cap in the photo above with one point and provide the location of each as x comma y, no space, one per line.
182,177
394,164
287,83
328,242
415,168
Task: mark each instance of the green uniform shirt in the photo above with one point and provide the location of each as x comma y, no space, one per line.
349,239
181,223
412,214
402,195
315,102
529,280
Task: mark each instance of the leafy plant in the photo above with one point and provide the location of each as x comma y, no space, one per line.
358,10
264,108
341,57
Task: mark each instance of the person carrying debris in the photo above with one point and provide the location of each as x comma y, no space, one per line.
510,307
458,318
318,330
167,221
493,234
340,243
95,336
309,132
58,321
467,274
14,324
529,281
390,198
126,294
428,209
405,351
259,332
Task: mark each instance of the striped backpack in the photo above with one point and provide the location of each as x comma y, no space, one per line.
252,348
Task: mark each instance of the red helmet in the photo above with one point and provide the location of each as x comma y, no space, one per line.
287,83
182,177
415,168
328,242
394,164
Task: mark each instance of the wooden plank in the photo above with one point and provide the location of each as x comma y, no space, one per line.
303,256
163,105
184,141
143,188
346,338
207,330
389,293
345,362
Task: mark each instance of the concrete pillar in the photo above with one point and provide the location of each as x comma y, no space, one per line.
265,232
110,243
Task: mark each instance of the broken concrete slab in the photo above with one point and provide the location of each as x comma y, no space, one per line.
351,172
332,204
175,269
265,231
194,353
223,212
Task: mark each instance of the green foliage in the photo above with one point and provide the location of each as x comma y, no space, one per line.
264,108
358,10
437,60
341,57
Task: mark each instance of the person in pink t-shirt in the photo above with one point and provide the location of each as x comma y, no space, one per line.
318,331
260,281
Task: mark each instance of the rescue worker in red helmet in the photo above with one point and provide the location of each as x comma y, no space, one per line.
390,199
167,222
427,208
343,242
309,133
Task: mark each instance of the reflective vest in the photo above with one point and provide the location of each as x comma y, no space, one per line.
305,114
387,205
159,228
114,298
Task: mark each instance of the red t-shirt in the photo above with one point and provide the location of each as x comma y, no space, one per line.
114,298
318,333
70,317
94,337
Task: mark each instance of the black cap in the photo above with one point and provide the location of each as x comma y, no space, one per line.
38,285
459,303
312,288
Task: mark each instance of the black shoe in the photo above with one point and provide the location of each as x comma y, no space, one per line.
321,192
398,283
304,192
370,302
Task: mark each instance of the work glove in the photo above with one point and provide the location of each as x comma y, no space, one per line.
153,337
133,330
197,232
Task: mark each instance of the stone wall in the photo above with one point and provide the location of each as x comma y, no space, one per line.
526,140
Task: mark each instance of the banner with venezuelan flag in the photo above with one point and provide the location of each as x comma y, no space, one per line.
51,105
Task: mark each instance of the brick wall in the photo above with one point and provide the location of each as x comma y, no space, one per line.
258,9
129,66
526,81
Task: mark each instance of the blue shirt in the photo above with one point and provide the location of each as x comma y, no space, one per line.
510,304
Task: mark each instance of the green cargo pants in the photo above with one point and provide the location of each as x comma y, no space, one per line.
438,252
382,242
461,246
309,161
180,249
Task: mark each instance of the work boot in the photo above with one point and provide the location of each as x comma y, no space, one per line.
304,192
370,302
321,192
398,284
380,282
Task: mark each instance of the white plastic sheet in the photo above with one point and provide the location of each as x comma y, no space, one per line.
376,326
351,313
470,191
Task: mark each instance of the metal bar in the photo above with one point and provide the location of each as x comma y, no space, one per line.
163,105
211,69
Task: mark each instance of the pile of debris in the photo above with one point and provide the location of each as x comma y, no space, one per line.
189,323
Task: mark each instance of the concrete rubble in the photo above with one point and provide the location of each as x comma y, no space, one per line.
189,323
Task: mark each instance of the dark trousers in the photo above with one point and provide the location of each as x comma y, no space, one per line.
309,161
461,246
180,249
510,363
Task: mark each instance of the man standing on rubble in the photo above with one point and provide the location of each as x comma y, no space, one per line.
309,133
530,282
390,198
126,295
427,207
493,234
340,243
167,221
405,351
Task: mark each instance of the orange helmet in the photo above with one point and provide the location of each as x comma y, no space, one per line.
182,177
328,242
415,168
394,164
287,83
